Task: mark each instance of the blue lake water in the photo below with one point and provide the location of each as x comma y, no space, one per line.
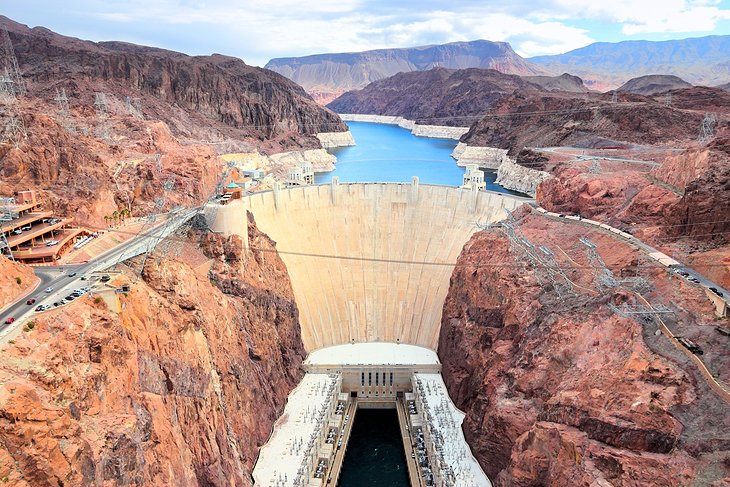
388,153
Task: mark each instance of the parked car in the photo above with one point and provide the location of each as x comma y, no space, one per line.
70,297
84,278
72,274
30,301
57,304
26,228
714,290
17,231
9,320
49,289
51,243
39,308
105,279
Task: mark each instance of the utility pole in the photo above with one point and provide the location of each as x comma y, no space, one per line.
614,97
668,100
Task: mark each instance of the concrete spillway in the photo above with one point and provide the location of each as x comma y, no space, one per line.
368,261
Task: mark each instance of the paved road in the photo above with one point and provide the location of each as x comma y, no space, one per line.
57,276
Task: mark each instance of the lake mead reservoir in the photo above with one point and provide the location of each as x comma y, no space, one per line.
389,153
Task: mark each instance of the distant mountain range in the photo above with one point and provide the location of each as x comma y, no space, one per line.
602,65
327,75
700,61
446,96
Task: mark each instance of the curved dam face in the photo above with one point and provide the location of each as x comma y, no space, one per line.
369,262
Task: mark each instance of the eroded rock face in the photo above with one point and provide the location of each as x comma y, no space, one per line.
559,390
186,92
180,388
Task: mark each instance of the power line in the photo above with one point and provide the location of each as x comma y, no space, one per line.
360,258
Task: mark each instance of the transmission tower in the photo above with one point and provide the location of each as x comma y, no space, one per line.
707,129
134,107
668,100
15,131
9,62
604,277
63,112
6,214
614,97
547,269
595,167
7,88
102,116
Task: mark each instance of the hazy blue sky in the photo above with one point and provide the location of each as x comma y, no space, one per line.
259,30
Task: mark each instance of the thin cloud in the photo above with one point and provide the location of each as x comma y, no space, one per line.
259,30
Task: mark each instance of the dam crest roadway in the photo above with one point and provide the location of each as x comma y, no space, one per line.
370,265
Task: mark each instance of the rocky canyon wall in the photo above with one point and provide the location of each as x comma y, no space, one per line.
559,390
178,386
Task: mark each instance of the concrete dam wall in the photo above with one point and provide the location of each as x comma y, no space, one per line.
368,262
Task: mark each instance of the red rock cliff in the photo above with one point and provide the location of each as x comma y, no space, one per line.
561,391
181,387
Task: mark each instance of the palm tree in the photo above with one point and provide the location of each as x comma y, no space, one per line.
106,219
115,216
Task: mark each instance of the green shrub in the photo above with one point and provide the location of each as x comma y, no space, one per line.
18,280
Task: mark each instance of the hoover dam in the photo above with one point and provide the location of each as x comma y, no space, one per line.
369,262
370,265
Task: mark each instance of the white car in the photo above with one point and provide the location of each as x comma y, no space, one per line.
49,289
51,243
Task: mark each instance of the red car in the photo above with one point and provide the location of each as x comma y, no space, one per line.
9,320
30,301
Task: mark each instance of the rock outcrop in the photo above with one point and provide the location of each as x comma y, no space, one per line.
15,280
565,82
559,390
438,96
513,176
653,84
561,119
200,97
178,386
486,157
329,75
81,176
331,140
167,117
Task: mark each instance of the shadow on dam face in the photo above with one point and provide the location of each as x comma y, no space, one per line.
368,261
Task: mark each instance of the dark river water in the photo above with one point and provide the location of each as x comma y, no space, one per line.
375,456
388,153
